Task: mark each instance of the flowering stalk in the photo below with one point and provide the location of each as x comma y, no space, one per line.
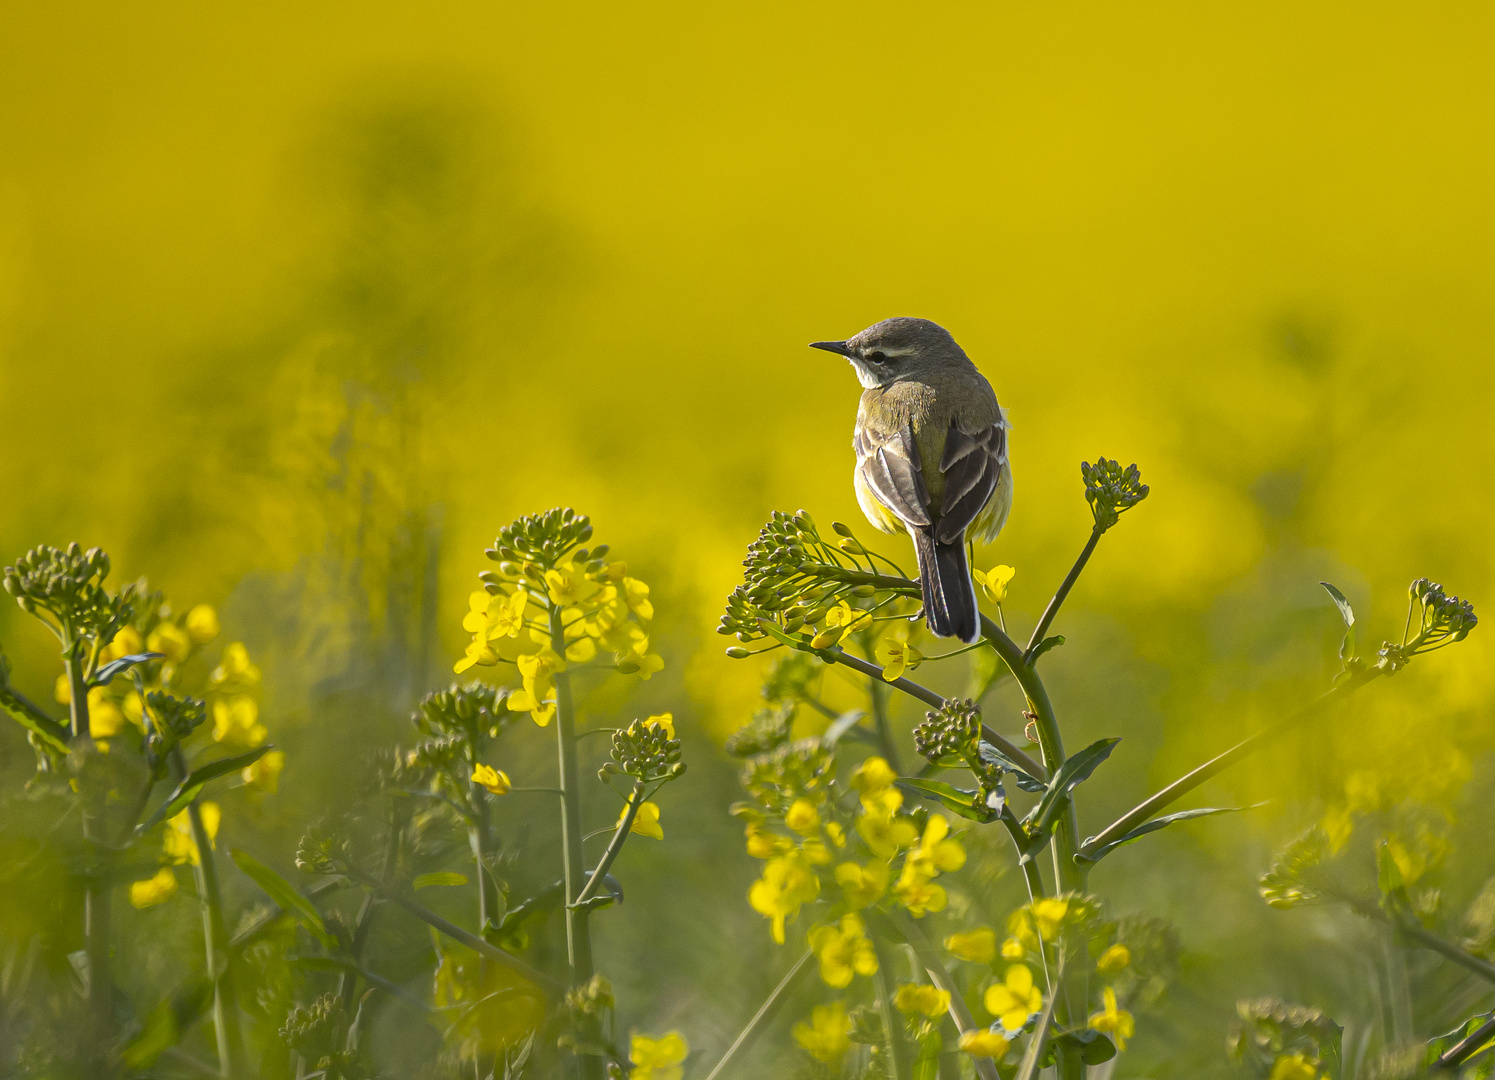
1059,597
615,845
215,944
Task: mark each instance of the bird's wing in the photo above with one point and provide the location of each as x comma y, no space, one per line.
971,466
890,465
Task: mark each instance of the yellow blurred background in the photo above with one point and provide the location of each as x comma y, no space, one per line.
299,304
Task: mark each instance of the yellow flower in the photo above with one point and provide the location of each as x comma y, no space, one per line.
538,671
1338,823
202,624
495,780
646,821
658,1059
153,890
1114,960
580,651
234,667
840,620
62,690
265,773
236,720
637,594
921,896
827,1036
984,1043
1049,915
478,652
843,951
933,854
762,844
921,1000
836,833
1118,1022
978,946
642,664
664,720
862,885
802,817
1014,999
178,843
1293,1067
788,882
873,776
1012,949
886,834
568,586
896,655
170,640
506,619
994,582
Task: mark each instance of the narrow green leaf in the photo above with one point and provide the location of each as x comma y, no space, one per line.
1159,823
193,783
445,877
49,733
1388,874
285,895
105,675
842,725
166,1024
1044,646
1346,612
1072,773
965,803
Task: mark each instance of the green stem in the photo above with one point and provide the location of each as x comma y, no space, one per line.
1034,881
935,965
763,1015
1059,597
578,931
1144,810
1414,930
898,1055
615,845
215,940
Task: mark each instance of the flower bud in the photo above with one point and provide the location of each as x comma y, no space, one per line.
840,528
737,652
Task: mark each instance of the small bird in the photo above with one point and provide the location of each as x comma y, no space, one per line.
931,449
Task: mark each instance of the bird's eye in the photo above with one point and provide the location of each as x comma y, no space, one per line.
878,357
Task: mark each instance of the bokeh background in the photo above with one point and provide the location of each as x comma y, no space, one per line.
300,304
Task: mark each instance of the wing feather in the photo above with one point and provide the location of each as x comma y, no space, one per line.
972,466
891,467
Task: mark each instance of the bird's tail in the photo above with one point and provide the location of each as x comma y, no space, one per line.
949,593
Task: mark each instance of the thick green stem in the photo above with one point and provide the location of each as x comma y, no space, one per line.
215,942
578,932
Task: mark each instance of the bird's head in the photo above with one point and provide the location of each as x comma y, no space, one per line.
896,349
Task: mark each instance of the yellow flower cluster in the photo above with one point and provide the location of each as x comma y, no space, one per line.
178,847
789,882
827,1036
933,855
1039,921
601,609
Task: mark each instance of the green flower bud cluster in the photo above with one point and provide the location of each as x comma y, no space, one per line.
592,998
1286,885
317,1032
791,578
68,584
766,732
171,719
320,852
1111,490
803,768
790,675
646,752
1445,619
543,539
468,711
1269,1028
955,732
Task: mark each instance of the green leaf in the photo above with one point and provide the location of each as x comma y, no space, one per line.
967,804
1093,1046
1077,769
1159,823
1346,612
927,1064
167,1023
48,732
445,877
105,675
193,783
1025,781
1388,874
285,895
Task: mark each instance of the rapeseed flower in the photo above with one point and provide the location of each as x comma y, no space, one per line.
984,1043
1013,1000
978,946
1293,1067
646,821
802,817
538,671
914,999
1118,1022
153,890
658,1059
202,624
863,885
265,773
896,655
788,882
843,951
994,582
495,780
827,1036
1114,960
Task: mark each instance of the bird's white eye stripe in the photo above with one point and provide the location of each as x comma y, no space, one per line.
891,354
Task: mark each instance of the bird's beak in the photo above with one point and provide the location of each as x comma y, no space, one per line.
835,347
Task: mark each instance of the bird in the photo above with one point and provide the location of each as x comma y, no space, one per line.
931,457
